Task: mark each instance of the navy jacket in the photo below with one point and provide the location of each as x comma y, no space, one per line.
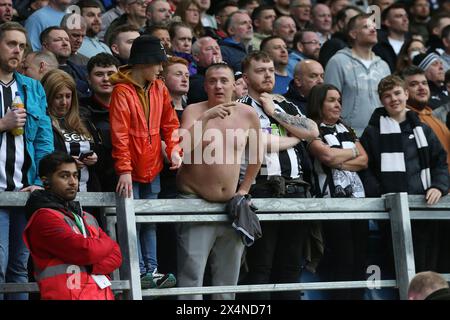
233,53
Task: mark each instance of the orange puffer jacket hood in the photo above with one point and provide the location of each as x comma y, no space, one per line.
135,136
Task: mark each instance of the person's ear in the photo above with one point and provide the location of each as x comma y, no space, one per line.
42,67
352,35
245,77
298,82
45,182
446,42
115,48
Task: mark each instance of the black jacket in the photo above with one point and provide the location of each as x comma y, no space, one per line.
233,53
434,42
294,96
438,96
441,294
337,42
79,74
384,50
98,115
197,91
120,21
438,160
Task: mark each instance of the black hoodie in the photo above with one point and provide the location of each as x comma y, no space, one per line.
47,199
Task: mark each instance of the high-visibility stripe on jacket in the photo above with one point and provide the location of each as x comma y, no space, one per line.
64,259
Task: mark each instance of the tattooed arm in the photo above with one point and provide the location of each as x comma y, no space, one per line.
301,127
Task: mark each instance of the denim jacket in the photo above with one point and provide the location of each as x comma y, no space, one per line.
38,130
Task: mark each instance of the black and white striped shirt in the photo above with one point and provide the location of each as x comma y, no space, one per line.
14,159
286,163
76,144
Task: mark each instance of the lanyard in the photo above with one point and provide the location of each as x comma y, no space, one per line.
80,224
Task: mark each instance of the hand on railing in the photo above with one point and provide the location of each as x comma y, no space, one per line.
433,195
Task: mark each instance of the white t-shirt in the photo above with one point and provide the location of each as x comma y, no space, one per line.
367,63
396,44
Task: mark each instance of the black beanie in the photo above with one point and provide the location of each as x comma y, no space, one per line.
147,50
425,60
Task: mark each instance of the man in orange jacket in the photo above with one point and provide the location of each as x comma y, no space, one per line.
419,96
72,255
140,110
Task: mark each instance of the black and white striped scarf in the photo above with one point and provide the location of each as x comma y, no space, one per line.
337,136
392,165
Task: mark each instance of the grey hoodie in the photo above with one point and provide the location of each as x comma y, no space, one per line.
358,86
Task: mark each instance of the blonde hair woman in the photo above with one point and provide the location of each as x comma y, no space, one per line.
71,134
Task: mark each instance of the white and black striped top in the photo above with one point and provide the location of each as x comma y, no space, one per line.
14,159
76,144
285,163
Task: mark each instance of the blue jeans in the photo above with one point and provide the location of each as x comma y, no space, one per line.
13,252
146,233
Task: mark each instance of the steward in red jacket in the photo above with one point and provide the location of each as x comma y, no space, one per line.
72,255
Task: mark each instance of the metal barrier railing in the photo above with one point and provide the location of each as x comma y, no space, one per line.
393,206
399,208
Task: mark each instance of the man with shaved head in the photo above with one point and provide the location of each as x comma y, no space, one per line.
38,63
307,74
428,285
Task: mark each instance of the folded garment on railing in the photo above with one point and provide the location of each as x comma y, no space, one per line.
244,219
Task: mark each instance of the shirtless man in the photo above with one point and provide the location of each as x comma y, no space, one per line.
211,171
